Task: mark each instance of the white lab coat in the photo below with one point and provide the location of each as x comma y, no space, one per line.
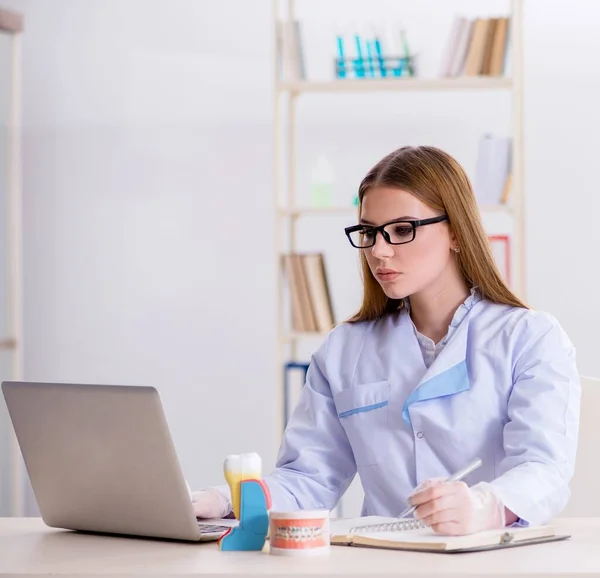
505,388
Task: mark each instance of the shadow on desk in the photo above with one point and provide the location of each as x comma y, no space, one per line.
107,551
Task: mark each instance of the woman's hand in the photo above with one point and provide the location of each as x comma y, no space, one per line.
454,508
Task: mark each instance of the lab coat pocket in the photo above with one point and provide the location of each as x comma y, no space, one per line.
363,413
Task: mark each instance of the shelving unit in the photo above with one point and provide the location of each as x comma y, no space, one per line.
288,212
391,84
11,341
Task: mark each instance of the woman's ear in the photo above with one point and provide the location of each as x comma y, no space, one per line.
453,242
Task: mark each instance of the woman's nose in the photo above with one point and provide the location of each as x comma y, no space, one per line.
381,249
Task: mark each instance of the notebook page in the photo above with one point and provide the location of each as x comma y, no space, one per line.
421,535
342,526
428,536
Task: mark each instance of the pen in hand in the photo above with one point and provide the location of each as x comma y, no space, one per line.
455,477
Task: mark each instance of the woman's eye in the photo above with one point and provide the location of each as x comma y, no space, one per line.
367,233
403,231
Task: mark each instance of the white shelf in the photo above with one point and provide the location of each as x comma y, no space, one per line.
399,84
288,204
295,335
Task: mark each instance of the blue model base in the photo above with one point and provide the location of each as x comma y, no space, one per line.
251,533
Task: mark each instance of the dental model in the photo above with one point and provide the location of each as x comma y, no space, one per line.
250,501
239,468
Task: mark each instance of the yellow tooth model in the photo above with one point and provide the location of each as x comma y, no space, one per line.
250,501
239,468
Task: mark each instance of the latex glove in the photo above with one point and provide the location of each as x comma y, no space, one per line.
210,504
454,508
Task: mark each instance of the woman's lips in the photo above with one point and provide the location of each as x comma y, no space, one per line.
386,274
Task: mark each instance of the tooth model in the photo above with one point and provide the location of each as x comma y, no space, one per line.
238,468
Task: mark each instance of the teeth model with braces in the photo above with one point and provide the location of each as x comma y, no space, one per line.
299,533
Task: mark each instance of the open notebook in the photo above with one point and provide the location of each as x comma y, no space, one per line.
380,532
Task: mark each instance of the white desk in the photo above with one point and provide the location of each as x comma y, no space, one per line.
29,548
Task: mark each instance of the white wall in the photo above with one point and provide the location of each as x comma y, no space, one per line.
562,127
148,217
147,214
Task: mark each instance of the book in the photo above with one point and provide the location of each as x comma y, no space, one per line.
493,165
488,47
289,50
356,533
452,46
299,322
311,303
462,48
499,47
308,318
318,289
476,53
476,47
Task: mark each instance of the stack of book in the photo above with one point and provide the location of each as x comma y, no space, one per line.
476,47
309,291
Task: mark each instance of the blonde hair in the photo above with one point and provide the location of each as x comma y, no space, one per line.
437,180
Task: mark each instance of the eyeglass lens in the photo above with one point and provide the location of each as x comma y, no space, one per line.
397,234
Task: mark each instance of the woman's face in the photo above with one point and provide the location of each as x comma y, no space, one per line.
410,268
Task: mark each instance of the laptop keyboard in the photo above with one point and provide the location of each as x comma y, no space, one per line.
212,528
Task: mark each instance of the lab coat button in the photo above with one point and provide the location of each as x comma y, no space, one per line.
420,435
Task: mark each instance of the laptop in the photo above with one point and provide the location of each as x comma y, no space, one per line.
101,459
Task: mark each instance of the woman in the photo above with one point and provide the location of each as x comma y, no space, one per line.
441,364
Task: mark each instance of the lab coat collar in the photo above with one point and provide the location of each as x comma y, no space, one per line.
448,374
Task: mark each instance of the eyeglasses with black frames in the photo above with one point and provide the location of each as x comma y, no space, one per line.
397,232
